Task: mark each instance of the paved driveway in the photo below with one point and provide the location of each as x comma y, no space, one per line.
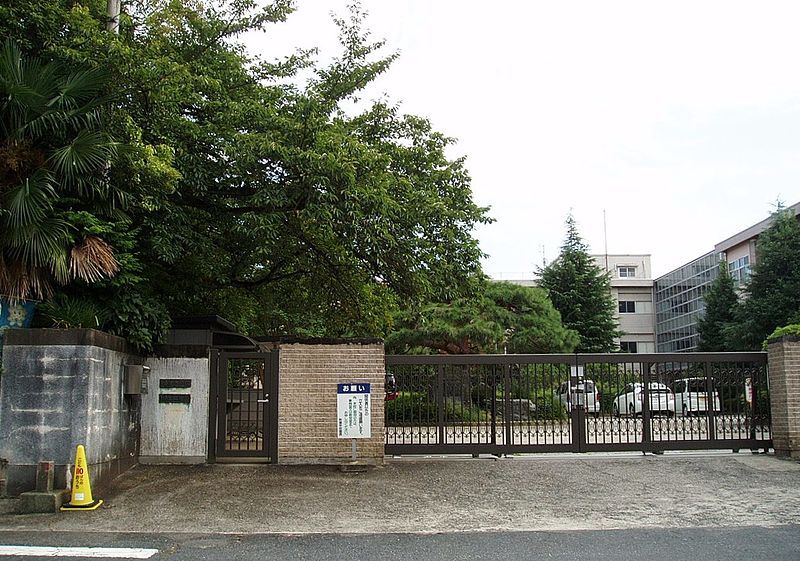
541,492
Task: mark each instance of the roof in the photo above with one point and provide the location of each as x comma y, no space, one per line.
213,323
751,232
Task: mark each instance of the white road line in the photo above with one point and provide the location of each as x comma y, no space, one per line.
93,552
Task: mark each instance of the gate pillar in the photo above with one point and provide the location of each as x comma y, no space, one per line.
784,395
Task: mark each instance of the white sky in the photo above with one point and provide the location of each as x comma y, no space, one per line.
680,119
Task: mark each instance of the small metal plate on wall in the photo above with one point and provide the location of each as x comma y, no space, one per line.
174,383
175,398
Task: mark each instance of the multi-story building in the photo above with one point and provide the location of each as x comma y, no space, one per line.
661,315
679,303
680,294
632,288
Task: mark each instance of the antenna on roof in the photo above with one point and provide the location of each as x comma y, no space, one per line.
605,237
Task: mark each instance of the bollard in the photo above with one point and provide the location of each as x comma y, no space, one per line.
44,477
44,498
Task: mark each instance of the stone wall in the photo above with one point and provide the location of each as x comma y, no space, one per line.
784,393
61,388
309,374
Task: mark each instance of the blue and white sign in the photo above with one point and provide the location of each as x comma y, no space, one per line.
353,410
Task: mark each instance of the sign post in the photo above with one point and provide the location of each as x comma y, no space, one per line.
354,419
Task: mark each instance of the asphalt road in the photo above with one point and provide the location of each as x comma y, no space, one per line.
693,506
746,543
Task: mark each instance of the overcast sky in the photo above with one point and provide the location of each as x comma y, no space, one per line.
680,119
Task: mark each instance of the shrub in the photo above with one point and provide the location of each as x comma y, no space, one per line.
549,407
73,312
791,329
411,407
417,408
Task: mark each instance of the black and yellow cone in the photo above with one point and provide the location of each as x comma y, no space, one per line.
81,488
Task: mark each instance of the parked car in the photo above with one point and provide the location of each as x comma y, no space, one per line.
585,392
390,387
691,396
630,400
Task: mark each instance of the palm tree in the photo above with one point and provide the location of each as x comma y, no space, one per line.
54,163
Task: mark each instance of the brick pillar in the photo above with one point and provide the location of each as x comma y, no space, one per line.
784,393
307,401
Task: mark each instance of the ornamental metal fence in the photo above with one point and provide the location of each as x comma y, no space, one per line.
504,404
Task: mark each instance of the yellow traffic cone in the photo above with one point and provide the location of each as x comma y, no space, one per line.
81,488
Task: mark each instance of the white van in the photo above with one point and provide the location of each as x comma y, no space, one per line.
691,396
630,400
585,391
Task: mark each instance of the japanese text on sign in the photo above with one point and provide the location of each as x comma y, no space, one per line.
353,410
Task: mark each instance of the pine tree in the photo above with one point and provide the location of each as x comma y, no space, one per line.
772,298
503,317
581,291
721,301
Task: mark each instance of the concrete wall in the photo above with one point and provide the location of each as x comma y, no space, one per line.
61,388
738,251
175,433
636,324
784,394
638,327
307,427
640,261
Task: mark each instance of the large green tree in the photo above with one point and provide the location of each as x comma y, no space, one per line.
720,303
503,318
581,291
252,193
772,297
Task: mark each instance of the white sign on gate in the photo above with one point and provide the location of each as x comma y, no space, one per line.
353,410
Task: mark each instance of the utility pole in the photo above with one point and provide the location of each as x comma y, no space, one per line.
112,23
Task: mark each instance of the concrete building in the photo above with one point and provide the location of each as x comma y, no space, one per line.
680,294
679,301
632,288
661,315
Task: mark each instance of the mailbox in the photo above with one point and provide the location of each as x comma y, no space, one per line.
136,378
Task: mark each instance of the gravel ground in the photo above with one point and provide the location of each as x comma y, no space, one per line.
411,495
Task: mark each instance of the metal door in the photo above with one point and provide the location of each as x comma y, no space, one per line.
246,406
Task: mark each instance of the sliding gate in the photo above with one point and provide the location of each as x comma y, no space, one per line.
503,404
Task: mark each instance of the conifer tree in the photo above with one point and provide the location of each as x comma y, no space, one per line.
772,297
581,291
504,317
721,301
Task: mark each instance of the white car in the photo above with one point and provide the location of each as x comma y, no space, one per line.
691,396
629,401
586,392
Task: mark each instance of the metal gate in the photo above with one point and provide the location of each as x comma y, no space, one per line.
245,401
503,404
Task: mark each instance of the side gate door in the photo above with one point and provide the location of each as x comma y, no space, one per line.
244,420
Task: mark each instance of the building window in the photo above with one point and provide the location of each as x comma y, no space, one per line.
627,307
628,346
626,272
740,270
